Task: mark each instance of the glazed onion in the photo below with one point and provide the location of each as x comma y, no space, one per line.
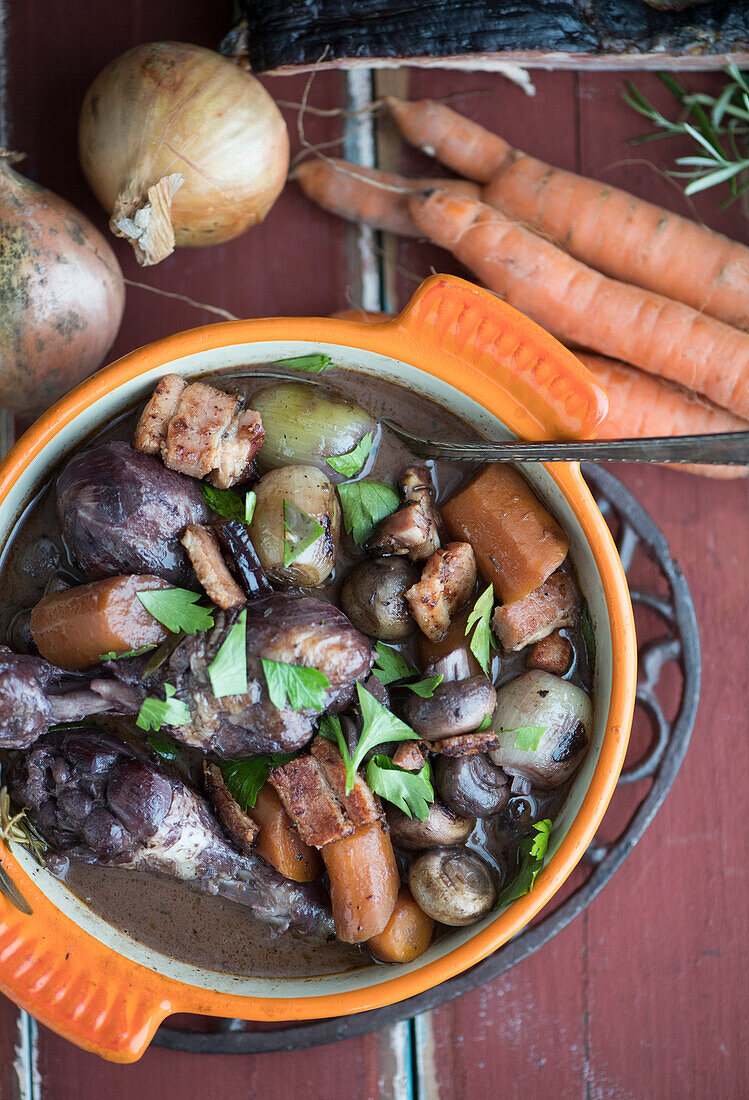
180,146
61,294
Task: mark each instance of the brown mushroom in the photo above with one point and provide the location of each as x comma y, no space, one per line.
442,827
472,785
454,708
455,886
372,597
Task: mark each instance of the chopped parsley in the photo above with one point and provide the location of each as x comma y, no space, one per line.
226,502
301,687
112,656
310,364
379,726
228,669
479,618
154,713
527,738
353,461
244,778
163,746
425,688
485,724
250,501
176,609
364,504
411,792
390,665
300,531
533,850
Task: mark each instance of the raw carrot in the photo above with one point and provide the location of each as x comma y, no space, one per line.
343,189
517,543
364,881
605,227
406,935
640,404
586,308
279,843
468,148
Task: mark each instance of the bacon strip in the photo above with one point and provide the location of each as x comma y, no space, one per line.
553,604
361,805
210,568
310,801
447,580
239,825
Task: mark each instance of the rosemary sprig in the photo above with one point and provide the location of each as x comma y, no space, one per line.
716,125
17,829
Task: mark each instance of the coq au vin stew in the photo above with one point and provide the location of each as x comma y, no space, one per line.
277,698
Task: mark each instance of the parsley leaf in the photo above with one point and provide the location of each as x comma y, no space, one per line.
311,364
302,687
224,501
479,618
485,724
244,778
175,609
533,850
390,665
250,501
589,636
112,656
300,531
353,461
163,746
228,669
155,712
425,688
527,738
411,792
364,505
378,727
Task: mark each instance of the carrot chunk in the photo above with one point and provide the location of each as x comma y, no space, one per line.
279,843
364,882
517,543
406,935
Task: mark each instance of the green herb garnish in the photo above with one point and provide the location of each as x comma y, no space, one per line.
175,608
425,688
353,461
364,505
226,502
379,726
311,364
228,669
302,687
479,618
112,656
155,712
250,501
533,850
411,792
589,637
390,665
300,531
485,724
163,746
527,738
244,778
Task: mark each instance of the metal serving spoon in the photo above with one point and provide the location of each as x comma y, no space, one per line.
720,449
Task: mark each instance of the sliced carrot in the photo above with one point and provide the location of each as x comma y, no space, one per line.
364,882
279,843
517,543
369,196
406,935
75,628
641,404
587,309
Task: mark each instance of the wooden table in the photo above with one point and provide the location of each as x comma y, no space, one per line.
646,994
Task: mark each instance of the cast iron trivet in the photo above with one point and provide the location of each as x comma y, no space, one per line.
679,642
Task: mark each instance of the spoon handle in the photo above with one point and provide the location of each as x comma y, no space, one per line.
723,449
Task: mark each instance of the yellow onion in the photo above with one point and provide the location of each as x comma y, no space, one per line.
61,294
181,147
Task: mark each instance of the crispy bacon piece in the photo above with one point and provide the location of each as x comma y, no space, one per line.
310,801
239,825
415,528
210,568
447,580
200,431
467,744
410,755
553,604
552,654
361,806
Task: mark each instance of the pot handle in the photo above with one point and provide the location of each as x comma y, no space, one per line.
551,394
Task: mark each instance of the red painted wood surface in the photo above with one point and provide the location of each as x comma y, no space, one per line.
646,994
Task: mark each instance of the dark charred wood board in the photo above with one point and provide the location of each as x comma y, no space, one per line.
645,996
277,34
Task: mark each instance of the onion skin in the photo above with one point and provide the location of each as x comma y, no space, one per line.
61,294
166,110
